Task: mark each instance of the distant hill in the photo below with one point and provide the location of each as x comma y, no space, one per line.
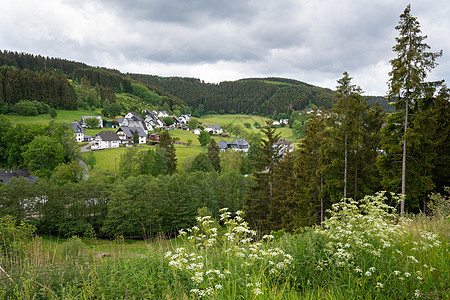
265,96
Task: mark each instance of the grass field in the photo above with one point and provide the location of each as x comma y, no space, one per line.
233,119
63,116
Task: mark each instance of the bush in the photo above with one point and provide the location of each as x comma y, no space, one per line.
74,249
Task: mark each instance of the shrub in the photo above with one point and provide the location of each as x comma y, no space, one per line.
74,249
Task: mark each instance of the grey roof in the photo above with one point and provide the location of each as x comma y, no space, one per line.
217,127
129,131
135,117
108,136
239,143
77,127
222,145
7,175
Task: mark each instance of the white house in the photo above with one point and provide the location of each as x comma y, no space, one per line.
126,134
105,140
163,114
133,116
236,145
100,121
79,131
197,131
284,121
284,146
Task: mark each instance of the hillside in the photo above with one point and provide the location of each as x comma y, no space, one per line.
33,77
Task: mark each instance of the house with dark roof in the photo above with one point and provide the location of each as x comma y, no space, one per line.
105,140
126,134
79,131
236,145
133,116
7,175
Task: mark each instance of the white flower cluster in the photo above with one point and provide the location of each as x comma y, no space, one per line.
235,250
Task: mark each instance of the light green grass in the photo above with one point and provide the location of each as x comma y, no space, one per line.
233,119
63,116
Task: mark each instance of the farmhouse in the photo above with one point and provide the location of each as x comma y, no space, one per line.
236,145
126,134
105,140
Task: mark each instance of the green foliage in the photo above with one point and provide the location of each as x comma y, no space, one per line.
204,138
213,154
166,142
74,249
43,155
53,113
193,123
14,238
154,163
260,195
91,123
71,172
201,163
168,120
90,159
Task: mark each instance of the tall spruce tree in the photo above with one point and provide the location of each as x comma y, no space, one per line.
260,195
165,141
406,83
213,154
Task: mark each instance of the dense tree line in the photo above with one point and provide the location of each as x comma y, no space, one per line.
139,206
32,62
50,88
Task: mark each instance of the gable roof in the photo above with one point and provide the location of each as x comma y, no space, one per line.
108,136
77,127
135,116
129,131
223,145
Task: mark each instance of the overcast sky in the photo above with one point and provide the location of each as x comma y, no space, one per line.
313,41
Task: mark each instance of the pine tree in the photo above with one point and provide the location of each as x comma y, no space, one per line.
406,83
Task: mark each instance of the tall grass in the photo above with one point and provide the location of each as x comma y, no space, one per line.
363,251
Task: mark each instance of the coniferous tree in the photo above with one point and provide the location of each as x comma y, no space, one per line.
166,142
406,84
213,154
259,198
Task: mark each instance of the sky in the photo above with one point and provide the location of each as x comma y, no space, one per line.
313,41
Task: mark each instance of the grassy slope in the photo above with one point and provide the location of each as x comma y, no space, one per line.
63,116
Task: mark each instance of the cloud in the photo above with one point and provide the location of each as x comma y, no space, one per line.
218,40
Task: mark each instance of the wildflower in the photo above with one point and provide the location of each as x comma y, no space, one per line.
379,284
372,269
396,272
218,286
368,273
358,270
417,294
257,291
407,274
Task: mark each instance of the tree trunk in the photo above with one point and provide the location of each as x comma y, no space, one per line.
402,205
345,165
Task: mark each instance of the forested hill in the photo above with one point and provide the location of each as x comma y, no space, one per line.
267,96
34,77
